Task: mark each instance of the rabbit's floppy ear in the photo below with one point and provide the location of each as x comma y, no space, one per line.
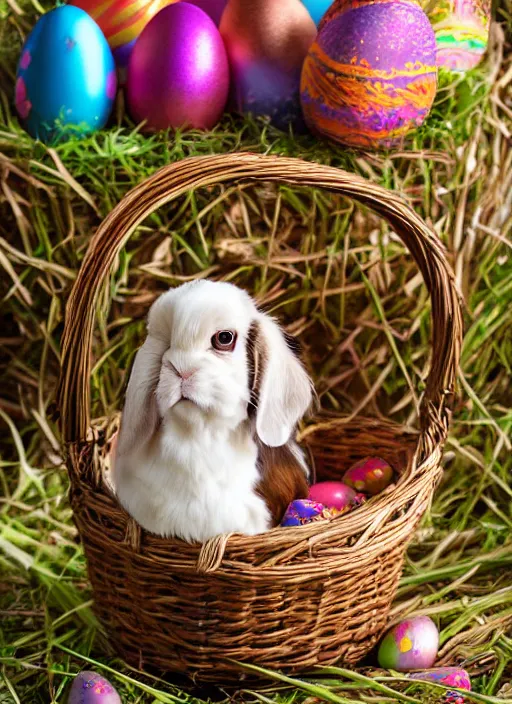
140,414
282,390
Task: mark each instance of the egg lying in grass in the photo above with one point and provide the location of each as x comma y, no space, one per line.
462,31
449,677
66,80
411,645
91,688
178,73
370,475
371,74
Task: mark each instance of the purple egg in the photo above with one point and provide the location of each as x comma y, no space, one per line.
213,8
371,74
178,73
302,511
91,688
332,494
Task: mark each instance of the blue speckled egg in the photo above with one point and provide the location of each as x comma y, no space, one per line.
66,79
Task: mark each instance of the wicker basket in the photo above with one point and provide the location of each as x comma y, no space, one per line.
288,599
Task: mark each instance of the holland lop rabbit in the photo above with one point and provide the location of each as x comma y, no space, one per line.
216,391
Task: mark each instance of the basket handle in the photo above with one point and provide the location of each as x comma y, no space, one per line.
176,179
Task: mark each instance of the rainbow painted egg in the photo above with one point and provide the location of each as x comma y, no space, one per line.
332,494
178,75
91,688
121,21
66,80
462,31
371,475
371,74
410,645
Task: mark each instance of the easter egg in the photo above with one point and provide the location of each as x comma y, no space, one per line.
317,8
266,42
91,688
121,21
178,74
213,8
371,475
332,494
66,80
302,511
449,677
371,74
410,645
462,31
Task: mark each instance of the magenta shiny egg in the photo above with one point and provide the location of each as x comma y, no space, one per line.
178,73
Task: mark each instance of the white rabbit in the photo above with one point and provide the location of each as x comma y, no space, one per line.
213,399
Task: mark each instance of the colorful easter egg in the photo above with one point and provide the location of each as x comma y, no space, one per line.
66,80
213,8
178,74
91,688
462,31
371,74
121,21
304,511
317,8
266,43
410,645
449,677
332,494
371,475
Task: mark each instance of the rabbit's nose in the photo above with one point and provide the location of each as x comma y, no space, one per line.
187,374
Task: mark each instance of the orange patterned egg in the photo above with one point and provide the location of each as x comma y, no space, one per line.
371,74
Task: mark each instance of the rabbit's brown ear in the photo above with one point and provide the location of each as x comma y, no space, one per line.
140,414
283,390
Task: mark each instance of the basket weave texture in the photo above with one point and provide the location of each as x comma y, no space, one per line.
289,599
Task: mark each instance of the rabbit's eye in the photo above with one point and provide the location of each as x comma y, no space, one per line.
224,340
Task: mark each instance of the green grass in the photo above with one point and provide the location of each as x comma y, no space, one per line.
303,254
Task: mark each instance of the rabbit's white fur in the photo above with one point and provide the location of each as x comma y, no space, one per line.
186,459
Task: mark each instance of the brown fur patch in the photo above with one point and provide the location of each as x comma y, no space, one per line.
282,479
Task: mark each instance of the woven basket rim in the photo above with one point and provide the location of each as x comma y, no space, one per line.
175,180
